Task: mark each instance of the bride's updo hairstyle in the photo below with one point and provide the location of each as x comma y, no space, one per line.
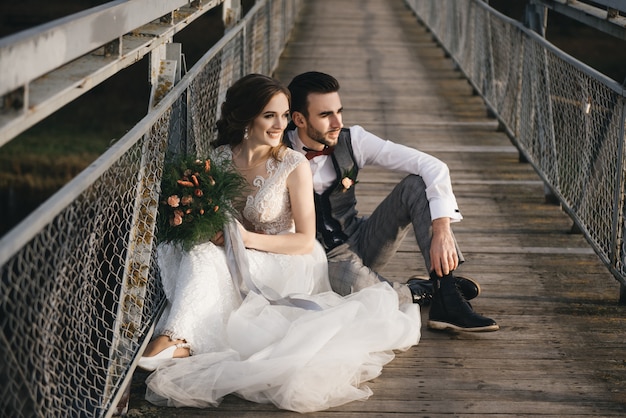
245,100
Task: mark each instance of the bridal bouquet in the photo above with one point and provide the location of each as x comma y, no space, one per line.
197,197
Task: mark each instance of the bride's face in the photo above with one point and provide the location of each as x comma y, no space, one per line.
268,127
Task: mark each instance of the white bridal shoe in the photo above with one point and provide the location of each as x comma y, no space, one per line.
151,363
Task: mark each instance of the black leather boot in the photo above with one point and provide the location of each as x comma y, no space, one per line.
450,311
422,288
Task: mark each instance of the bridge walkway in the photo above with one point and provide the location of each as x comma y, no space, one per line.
560,348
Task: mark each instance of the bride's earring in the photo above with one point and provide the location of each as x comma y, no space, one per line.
245,134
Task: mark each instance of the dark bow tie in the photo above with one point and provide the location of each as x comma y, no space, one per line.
312,153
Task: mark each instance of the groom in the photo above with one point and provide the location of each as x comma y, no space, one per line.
358,247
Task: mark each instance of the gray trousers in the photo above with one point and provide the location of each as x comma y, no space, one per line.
353,265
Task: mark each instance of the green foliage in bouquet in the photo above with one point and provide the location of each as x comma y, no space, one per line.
197,197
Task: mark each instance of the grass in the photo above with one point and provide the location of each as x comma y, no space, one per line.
36,164
70,139
46,162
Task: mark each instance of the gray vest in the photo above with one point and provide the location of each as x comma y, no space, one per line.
335,209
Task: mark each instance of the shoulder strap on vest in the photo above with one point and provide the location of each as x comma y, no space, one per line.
343,158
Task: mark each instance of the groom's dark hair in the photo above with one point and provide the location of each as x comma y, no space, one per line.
310,82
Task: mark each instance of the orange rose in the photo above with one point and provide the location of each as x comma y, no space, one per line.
186,200
173,201
177,219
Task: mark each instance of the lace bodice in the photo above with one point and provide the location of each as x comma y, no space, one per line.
268,209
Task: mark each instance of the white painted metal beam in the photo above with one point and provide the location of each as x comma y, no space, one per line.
606,20
30,54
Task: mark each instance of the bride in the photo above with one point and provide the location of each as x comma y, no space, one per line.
252,313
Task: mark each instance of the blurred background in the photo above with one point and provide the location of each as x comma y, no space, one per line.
39,161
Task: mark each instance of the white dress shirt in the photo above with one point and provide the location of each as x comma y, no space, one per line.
371,150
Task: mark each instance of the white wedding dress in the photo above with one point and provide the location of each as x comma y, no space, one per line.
291,341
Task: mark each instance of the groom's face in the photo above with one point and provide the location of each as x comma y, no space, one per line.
325,118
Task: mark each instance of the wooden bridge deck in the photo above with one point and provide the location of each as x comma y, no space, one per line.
560,350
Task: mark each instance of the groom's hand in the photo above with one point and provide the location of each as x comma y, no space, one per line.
443,255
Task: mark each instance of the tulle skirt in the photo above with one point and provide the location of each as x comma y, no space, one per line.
308,353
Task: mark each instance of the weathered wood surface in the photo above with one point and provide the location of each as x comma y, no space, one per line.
560,350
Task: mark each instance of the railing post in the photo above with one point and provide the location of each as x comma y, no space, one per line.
231,13
619,220
268,36
137,264
536,18
165,72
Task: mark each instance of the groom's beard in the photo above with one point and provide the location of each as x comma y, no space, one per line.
320,137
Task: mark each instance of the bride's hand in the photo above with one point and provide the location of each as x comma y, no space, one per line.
218,239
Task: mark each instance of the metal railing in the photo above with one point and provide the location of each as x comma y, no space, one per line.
78,279
565,118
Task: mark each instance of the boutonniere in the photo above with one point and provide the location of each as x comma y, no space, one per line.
349,179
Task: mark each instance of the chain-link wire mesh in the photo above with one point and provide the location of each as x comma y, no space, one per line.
79,299
566,118
75,297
